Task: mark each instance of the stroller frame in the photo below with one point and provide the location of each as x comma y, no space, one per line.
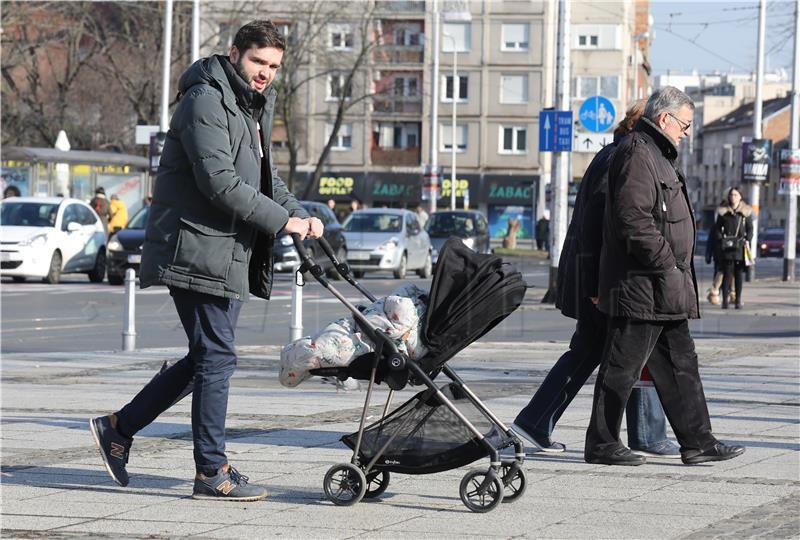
346,484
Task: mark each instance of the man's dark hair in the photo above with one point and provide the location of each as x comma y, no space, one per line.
259,33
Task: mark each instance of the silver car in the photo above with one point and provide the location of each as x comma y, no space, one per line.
380,239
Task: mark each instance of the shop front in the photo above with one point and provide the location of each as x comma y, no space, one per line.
510,197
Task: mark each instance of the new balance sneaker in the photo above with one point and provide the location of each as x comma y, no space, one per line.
227,486
114,448
664,449
541,444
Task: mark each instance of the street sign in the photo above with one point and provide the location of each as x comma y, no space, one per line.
597,114
591,143
555,131
790,172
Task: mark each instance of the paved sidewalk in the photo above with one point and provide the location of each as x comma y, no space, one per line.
54,483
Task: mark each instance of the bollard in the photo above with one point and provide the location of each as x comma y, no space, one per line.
296,322
129,315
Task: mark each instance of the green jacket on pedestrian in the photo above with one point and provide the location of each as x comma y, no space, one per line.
218,200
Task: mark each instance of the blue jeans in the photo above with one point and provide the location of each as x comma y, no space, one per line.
571,372
209,322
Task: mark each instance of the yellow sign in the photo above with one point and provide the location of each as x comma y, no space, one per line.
336,185
462,185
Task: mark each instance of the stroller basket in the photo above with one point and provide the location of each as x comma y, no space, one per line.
427,437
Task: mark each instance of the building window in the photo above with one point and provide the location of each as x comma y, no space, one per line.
344,137
461,34
286,30
604,85
405,86
336,88
408,37
597,36
513,139
340,37
390,136
515,37
514,89
447,137
461,90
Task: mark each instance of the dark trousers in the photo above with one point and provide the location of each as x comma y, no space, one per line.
732,273
628,347
646,424
209,322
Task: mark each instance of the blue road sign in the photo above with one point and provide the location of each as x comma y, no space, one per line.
555,131
597,114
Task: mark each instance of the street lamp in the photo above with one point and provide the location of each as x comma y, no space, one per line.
453,124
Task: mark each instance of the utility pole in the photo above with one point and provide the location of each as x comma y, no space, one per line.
165,65
432,174
195,30
561,160
789,246
755,187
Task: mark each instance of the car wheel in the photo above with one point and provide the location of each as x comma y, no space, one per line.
400,271
98,273
54,273
115,280
341,256
426,271
18,279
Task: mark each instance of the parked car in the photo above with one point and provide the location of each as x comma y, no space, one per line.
468,225
124,249
44,237
381,239
286,257
771,243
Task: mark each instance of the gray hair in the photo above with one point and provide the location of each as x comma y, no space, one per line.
666,100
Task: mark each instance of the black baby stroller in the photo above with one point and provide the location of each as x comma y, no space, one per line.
440,428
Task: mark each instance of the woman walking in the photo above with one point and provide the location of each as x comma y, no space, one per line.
734,228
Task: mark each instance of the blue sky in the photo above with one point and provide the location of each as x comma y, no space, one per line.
719,35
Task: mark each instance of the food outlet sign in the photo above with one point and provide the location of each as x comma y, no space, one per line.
336,185
462,187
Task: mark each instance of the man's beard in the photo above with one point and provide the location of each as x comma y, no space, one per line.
247,78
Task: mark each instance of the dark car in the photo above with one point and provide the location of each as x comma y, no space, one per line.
286,258
468,225
124,249
770,243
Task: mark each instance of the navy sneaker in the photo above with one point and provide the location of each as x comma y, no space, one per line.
664,449
114,448
227,486
542,445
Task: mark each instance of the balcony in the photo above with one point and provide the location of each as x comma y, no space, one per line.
402,6
391,104
395,54
389,157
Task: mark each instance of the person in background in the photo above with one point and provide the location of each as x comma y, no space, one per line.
576,298
543,234
733,228
422,215
147,201
101,205
119,214
217,206
11,191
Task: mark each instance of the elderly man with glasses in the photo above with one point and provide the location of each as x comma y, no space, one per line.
648,289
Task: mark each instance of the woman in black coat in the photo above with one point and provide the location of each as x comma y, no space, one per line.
733,229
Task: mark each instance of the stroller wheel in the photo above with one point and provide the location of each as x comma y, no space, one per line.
480,490
377,482
515,482
345,484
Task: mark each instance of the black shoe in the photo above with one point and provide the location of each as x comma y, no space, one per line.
620,456
114,448
227,486
542,444
718,452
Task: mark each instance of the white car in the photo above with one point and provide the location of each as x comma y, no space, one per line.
43,237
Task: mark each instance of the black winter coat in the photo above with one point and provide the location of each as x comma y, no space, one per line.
646,265
738,223
579,264
217,203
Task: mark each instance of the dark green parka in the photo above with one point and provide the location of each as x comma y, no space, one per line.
217,204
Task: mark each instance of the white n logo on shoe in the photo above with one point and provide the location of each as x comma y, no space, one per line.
226,487
117,450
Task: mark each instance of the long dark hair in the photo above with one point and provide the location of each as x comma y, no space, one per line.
731,190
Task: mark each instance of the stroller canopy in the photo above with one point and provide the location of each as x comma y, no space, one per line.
471,293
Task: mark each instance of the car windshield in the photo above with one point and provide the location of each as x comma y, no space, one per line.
440,225
139,221
773,236
373,223
28,214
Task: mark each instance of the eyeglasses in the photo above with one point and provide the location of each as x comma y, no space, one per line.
685,126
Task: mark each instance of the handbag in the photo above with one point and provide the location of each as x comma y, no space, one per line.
734,242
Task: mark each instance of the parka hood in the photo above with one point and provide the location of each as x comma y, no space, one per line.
212,71
665,144
745,209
